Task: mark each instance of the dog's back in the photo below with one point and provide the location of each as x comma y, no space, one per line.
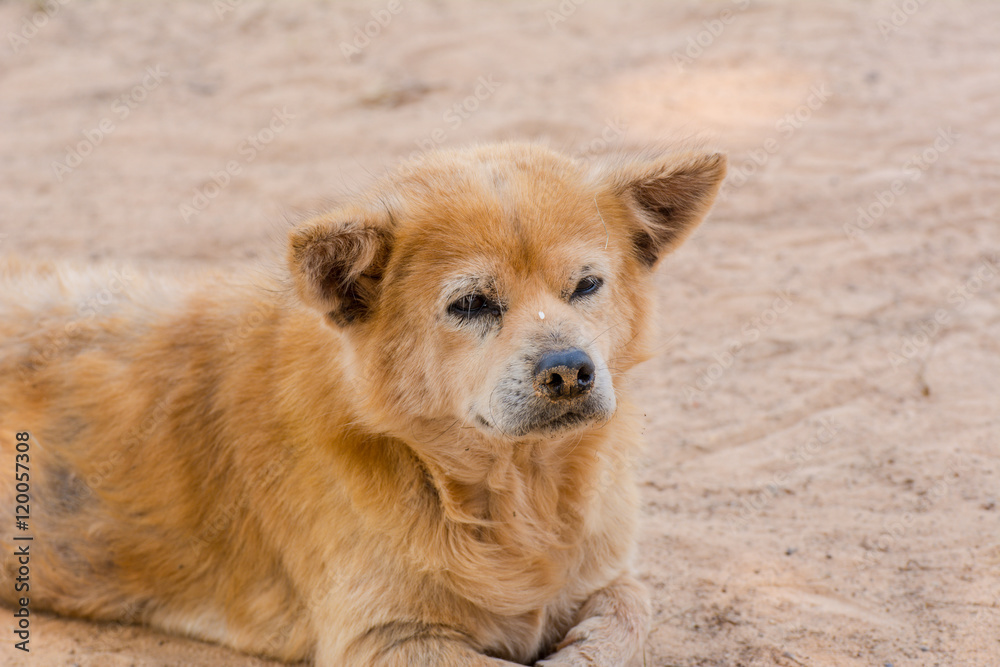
128,384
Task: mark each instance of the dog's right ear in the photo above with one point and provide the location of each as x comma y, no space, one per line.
337,261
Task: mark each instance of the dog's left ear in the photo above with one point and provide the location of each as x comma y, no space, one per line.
669,195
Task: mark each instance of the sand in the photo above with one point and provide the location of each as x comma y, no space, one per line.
823,414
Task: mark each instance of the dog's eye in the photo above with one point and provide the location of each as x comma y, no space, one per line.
588,285
473,305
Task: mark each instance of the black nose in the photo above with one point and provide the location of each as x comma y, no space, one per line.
564,374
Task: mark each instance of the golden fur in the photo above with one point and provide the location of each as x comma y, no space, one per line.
338,467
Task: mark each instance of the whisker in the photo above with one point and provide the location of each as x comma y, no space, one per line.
493,417
606,331
607,235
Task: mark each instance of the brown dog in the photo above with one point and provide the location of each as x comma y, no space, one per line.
421,454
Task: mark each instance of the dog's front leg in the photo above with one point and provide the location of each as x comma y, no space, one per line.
610,627
435,653
408,644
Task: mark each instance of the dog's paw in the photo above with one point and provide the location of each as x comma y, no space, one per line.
583,645
573,655
592,627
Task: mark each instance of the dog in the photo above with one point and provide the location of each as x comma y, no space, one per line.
416,447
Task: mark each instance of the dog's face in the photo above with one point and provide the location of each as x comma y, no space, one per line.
503,288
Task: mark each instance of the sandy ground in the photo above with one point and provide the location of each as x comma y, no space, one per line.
824,413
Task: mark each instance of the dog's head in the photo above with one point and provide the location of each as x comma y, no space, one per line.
502,288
